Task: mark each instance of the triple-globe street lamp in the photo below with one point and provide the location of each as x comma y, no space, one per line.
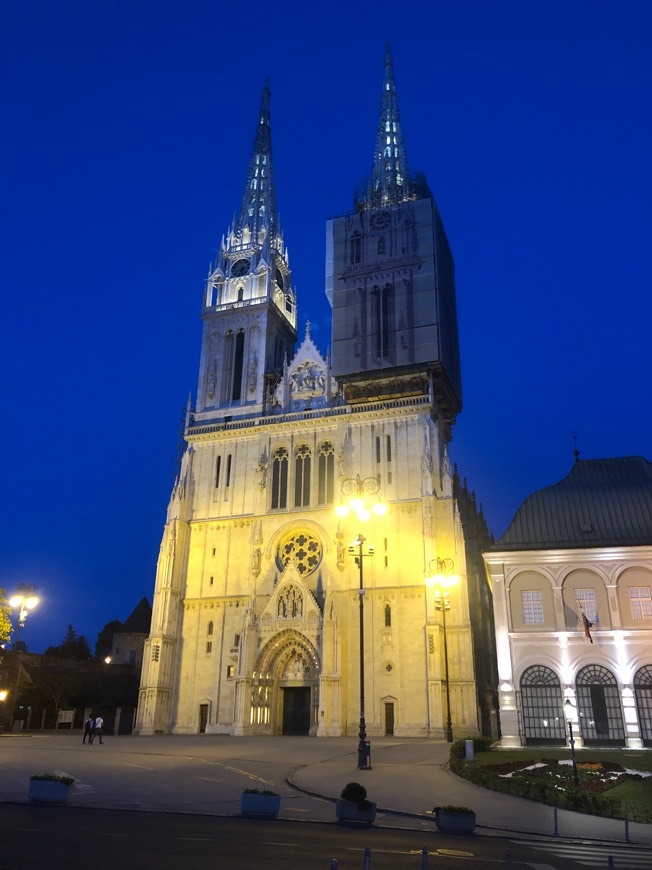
355,489
23,601
442,580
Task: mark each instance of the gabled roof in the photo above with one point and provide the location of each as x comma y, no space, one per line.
600,503
138,622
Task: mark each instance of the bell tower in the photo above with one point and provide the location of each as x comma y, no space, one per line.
390,281
249,309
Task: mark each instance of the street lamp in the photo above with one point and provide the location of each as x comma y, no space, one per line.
444,579
24,600
364,746
569,710
355,489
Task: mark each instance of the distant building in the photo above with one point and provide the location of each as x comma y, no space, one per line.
129,642
572,592
256,608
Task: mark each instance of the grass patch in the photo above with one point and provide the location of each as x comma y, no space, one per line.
605,788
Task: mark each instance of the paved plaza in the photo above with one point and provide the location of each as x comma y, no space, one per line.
206,774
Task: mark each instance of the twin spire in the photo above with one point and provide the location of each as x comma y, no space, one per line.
389,183
390,178
258,203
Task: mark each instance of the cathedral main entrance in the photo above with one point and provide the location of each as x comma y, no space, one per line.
296,709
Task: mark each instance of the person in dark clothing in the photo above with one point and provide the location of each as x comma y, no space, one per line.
88,729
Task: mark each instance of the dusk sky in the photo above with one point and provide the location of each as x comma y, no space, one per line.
127,130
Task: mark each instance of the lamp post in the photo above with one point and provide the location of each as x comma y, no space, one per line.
354,490
24,600
569,707
364,746
444,579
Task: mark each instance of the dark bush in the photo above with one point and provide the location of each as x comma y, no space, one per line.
356,793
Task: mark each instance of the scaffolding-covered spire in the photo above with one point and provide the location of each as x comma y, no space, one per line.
390,179
258,203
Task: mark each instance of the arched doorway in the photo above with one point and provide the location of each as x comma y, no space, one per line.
598,703
541,706
643,693
285,686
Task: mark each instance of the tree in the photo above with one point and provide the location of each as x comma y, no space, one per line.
5,622
74,646
104,642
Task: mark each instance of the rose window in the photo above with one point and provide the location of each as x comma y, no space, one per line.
301,550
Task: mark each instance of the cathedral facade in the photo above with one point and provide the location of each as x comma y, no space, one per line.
276,590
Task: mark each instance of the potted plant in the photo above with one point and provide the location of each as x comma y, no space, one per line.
50,787
353,806
459,820
254,802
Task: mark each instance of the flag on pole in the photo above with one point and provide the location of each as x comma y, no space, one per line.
587,626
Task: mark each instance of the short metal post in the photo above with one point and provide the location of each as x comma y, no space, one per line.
508,859
555,824
367,859
610,863
424,858
626,828
333,864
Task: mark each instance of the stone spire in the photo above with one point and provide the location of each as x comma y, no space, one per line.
390,179
258,203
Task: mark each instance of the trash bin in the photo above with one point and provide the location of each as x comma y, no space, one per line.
364,755
469,749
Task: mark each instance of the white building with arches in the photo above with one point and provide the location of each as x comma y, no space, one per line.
572,594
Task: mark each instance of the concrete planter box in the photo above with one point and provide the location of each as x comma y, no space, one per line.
347,811
49,790
455,821
266,805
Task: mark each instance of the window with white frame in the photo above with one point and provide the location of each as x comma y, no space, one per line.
586,603
640,602
532,602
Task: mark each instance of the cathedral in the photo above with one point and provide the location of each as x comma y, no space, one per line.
314,570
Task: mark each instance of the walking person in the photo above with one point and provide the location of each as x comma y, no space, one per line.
88,729
97,729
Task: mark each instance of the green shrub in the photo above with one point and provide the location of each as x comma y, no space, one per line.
53,777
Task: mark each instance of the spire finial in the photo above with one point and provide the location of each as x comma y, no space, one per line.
390,179
258,203
307,329
576,452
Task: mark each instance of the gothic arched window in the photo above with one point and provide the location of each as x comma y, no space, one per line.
326,473
210,628
381,245
279,478
302,476
388,616
356,248
382,306
237,366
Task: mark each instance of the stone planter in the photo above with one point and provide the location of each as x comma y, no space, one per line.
263,805
49,791
347,811
455,821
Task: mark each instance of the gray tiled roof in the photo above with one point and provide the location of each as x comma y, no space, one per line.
601,503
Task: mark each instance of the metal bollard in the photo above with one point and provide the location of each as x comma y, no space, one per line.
555,824
424,858
508,859
610,863
333,864
367,859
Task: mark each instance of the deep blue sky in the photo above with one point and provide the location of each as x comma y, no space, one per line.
127,128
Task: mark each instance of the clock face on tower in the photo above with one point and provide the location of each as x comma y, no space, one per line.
240,267
380,221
